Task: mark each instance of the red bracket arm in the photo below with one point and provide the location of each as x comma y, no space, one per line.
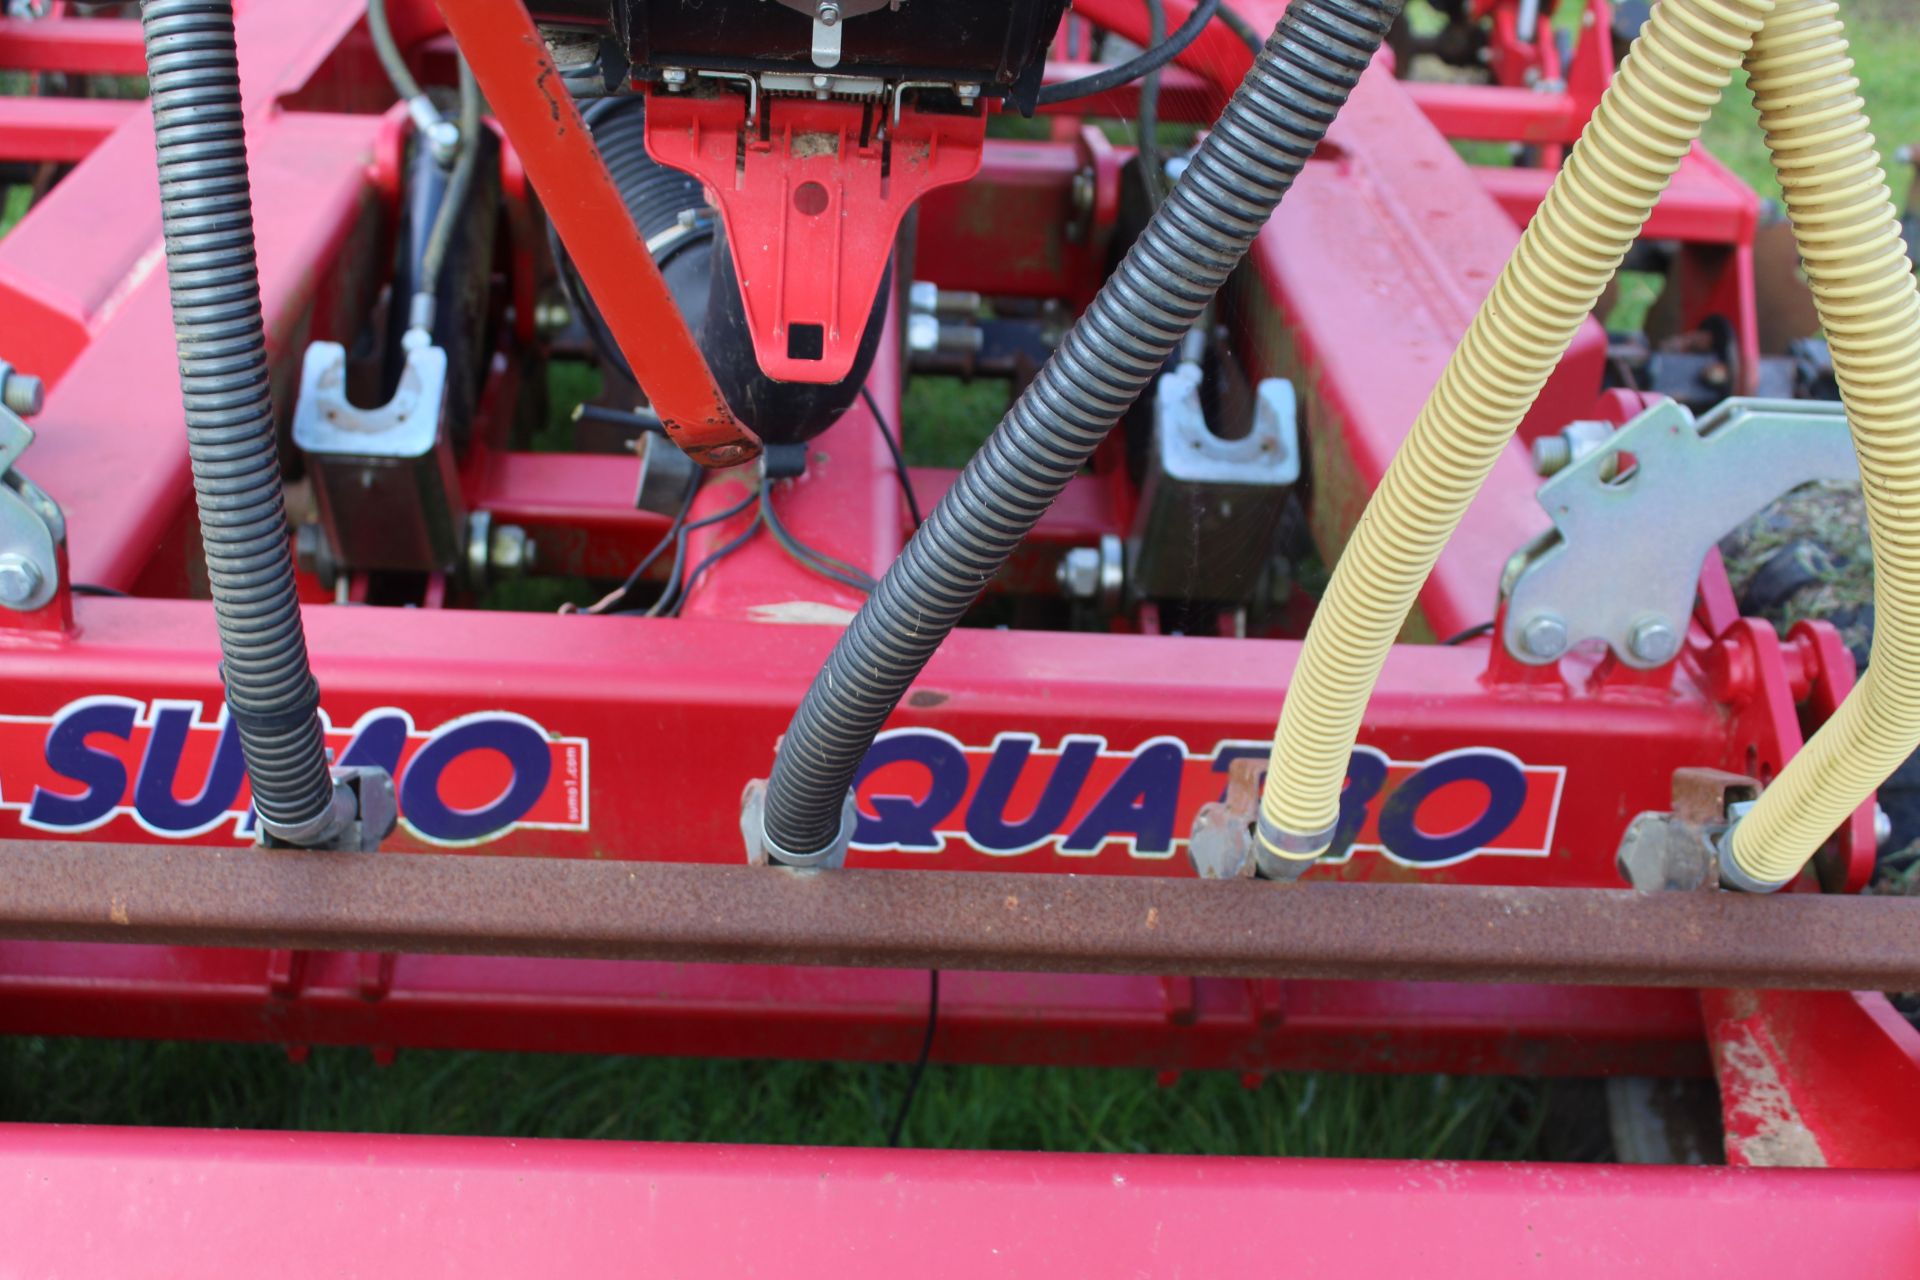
510,61
812,194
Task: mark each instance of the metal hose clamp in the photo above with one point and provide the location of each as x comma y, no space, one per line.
834,855
1286,855
1732,875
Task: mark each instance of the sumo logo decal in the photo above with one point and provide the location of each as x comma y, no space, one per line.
180,775
921,790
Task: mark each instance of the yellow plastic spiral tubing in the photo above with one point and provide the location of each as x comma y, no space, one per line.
1843,216
1644,126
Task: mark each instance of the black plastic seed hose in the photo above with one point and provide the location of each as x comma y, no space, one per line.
207,220
1275,120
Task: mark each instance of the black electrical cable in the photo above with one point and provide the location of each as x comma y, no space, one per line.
667,539
644,421
1132,69
895,446
1152,177
1471,633
670,600
819,562
1235,22
719,553
919,1063
89,589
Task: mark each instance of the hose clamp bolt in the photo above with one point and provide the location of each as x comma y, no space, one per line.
20,580
1654,640
1545,636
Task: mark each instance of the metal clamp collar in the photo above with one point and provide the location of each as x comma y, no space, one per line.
1732,875
1285,855
834,855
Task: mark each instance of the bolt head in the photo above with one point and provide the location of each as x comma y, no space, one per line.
20,580
511,550
1654,640
923,333
444,139
1080,573
25,394
828,13
1551,454
1544,636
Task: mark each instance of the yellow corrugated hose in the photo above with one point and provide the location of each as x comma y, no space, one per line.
1597,205
1843,216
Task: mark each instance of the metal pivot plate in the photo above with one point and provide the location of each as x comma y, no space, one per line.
1635,518
31,527
407,426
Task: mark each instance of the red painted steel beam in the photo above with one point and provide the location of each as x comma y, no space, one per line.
744,1011
83,1202
61,130
578,507
1494,113
1827,1079
1704,204
79,46
637,692
524,89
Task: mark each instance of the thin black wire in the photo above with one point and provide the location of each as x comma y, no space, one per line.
720,553
919,1063
668,605
89,589
895,446
1471,633
669,538
831,567
1147,61
1236,23
1152,177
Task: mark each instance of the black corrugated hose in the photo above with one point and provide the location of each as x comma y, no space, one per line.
207,220
1249,160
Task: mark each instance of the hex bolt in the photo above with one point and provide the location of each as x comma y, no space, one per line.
1079,573
23,393
1654,640
20,580
1544,636
828,13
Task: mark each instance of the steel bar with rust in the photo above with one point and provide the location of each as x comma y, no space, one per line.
968,920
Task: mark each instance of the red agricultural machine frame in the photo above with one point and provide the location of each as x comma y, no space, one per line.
577,746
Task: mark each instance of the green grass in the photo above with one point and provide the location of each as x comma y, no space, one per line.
943,420
1885,38
524,1095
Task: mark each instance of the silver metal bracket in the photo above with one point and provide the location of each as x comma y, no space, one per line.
385,477
32,528
1211,507
1635,518
827,16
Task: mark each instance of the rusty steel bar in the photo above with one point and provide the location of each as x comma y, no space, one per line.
956,920
510,60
